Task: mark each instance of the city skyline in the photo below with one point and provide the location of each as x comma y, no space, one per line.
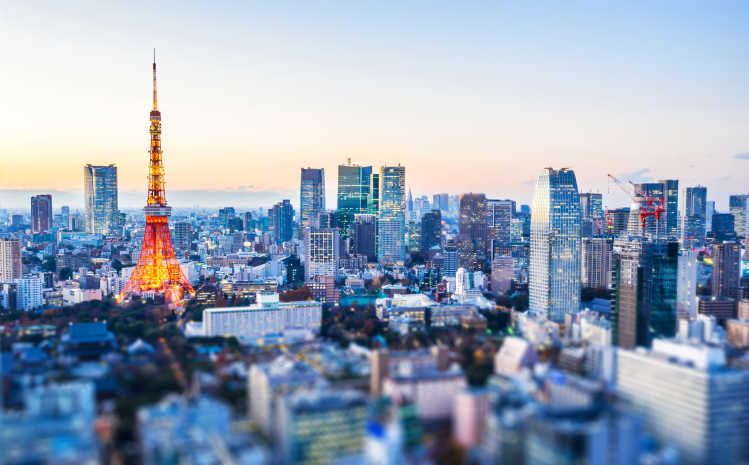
357,98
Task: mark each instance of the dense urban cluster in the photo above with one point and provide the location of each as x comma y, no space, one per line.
440,329
391,329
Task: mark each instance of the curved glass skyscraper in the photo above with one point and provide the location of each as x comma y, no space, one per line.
554,273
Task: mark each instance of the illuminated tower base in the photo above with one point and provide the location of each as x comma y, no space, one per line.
158,271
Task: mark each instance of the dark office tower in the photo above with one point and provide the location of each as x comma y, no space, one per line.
41,213
451,260
363,237
646,291
693,219
441,202
431,230
499,214
248,223
739,207
100,197
726,258
311,196
328,220
723,227
224,214
616,221
281,221
182,235
473,234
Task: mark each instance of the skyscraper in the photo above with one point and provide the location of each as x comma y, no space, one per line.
391,220
353,194
363,237
182,235
41,213
591,212
726,262
555,268
616,221
100,195
646,291
65,217
591,205
311,196
431,230
499,215
693,216
686,288
651,195
473,232
281,221
596,262
157,271
322,251
10,260
441,202
738,206
709,215
723,227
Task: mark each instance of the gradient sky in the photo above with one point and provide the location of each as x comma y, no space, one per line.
473,96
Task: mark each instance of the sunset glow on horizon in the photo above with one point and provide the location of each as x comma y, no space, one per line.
470,97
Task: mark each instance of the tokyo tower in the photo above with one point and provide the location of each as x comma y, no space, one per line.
157,271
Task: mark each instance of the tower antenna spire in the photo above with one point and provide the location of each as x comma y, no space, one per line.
154,79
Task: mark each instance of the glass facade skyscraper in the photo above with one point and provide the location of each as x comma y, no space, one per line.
311,196
100,192
391,224
554,273
646,291
739,207
693,215
281,221
353,194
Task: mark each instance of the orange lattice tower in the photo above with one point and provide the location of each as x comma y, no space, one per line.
158,271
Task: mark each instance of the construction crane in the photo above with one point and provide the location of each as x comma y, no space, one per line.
649,205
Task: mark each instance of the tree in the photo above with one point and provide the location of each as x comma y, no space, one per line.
49,263
295,295
66,273
116,265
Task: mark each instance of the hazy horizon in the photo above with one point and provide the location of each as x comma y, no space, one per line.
468,97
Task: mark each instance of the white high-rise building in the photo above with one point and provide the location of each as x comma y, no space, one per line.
28,292
322,250
554,270
10,260
688,396
462,282
686,286
596,262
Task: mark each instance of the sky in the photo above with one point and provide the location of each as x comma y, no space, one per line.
469,96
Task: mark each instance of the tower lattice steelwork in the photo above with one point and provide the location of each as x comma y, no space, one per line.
158,271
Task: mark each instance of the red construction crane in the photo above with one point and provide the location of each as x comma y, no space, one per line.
649,205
